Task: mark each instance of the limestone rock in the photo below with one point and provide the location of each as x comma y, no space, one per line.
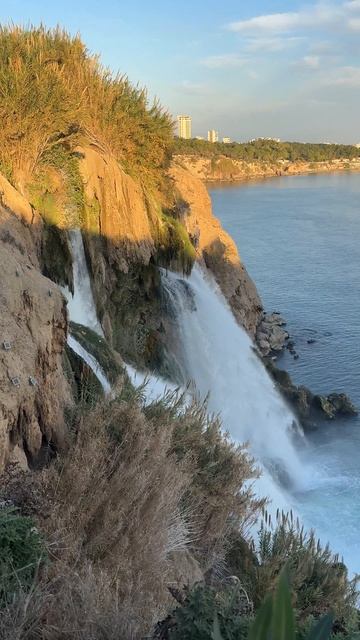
270,335
342,404
116,209
216,249
309,407
33,325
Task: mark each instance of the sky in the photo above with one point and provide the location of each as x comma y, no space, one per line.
248,69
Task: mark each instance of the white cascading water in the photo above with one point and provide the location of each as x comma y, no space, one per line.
81,305
219,357
82,310
91,362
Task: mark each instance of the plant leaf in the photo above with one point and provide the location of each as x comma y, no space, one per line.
216,633
283,623
260,629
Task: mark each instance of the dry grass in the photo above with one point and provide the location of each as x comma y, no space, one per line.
117,505
220,493
139,487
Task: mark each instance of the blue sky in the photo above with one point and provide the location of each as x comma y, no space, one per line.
275,68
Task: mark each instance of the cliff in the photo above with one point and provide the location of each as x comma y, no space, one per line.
216,249
33,390
223,169
123,230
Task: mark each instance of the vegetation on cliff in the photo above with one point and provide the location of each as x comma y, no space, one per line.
267,150
54,91
148,497
56,99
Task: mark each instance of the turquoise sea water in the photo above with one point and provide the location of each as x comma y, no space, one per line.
300,240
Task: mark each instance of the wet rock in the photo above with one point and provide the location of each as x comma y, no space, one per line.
275,318
270,335
342,404
277,338
310,408
323,404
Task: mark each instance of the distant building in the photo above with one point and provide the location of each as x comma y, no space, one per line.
213,136
199,138
184,127
357,145
226,140
268,139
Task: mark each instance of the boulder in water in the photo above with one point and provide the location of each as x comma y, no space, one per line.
308,407
336,404
270,335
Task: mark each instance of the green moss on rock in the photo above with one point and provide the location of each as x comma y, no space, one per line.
56,257
85,387
175,249
108,360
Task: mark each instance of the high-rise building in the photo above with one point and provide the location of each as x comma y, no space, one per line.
184,127
213,136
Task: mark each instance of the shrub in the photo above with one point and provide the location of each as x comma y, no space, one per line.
117,507
194,620
21,552
52,90
224,615
220,495
319,580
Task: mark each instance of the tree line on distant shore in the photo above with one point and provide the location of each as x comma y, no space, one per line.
267,150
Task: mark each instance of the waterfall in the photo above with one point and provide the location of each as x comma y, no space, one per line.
219,357
91,362
81,305
82,310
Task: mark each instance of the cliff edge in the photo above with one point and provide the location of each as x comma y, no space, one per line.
216,249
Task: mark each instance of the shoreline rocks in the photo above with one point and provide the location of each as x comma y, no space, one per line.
270,334
310,408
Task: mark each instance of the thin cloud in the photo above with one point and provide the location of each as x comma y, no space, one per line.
344,77
353,5
227,60
272,45
285,22
321,15
354,24
312,62
193,88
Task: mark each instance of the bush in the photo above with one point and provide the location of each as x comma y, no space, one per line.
53,91
219,495
319,580
21,552
207,614
194,620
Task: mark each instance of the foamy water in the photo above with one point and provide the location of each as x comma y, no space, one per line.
300,240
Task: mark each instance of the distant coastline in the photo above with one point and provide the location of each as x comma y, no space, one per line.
228,170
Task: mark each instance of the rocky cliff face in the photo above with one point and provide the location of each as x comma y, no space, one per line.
122,233
33,390
121,230
223,169
216,249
